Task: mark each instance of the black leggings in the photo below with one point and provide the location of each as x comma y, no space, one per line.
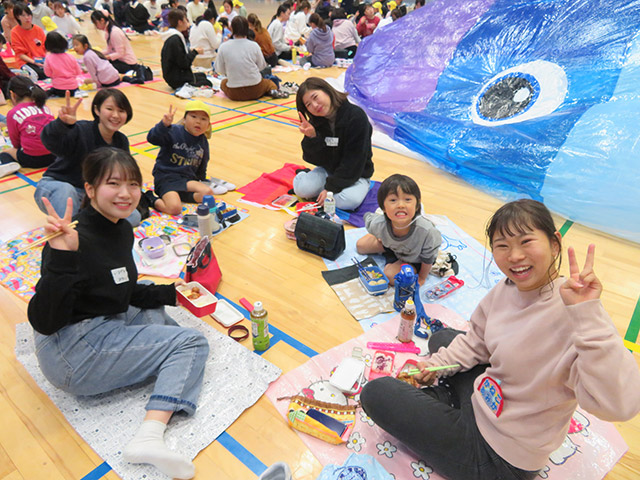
28,161
39,69
56,92
438,422
122,67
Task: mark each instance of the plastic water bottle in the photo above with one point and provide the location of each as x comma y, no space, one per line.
204,220
405,282
259,327
209,201
407,322
330,204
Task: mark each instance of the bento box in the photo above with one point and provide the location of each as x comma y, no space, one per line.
373,279
197,299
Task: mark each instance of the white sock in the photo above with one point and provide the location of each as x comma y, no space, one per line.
147,446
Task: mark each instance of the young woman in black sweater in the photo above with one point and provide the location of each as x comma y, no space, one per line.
97,329
337,140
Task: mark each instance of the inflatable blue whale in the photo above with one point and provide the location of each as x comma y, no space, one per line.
537,99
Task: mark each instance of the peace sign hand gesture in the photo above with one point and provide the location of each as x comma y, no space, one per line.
581,286
67,113
306,128
69,238
167,118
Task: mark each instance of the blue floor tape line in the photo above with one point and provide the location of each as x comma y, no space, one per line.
98,472
226,440
277,334
26,179
288,339
241,453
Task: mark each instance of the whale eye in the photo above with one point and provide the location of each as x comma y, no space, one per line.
520,93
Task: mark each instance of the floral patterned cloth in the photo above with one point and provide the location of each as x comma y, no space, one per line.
591,448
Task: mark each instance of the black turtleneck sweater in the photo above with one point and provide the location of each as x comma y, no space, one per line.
98,279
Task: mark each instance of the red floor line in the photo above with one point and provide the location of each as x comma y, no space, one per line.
294,121
228,119
8,179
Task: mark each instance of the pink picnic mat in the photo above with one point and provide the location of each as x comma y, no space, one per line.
269,186
590,450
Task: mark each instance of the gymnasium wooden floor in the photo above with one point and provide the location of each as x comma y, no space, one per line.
259,263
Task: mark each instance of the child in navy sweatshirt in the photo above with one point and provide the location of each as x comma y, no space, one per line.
181,165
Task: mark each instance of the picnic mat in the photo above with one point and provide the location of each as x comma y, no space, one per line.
369,204
346,283
477,269
108,421
20,274
269,186
588,453
46,83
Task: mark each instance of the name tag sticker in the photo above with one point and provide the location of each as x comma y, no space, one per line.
331,141
120,275
492,394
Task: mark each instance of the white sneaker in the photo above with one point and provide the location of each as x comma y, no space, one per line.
13,167
30,72
218,189
222,183
186,91
205,92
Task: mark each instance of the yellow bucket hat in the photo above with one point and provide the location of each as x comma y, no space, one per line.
377,6
391,5
199,106
238,3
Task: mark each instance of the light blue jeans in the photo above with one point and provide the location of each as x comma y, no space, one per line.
104,353
57,193
310,184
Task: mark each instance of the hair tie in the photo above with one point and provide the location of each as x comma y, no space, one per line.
31,88
238,332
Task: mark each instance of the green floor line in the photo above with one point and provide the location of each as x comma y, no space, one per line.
634,325
139,133
13,189
565,227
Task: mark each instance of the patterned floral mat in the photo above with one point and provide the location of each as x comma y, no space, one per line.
20,273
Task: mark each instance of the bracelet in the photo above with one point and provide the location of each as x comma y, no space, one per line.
241,329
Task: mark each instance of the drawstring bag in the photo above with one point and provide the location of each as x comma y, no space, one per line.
202,266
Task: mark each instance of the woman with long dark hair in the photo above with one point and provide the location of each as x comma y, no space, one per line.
337,140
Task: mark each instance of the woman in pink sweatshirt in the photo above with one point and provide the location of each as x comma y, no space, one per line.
537,346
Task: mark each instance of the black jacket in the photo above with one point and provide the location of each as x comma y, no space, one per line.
137,17
98,279
350,159
71,144
176,63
